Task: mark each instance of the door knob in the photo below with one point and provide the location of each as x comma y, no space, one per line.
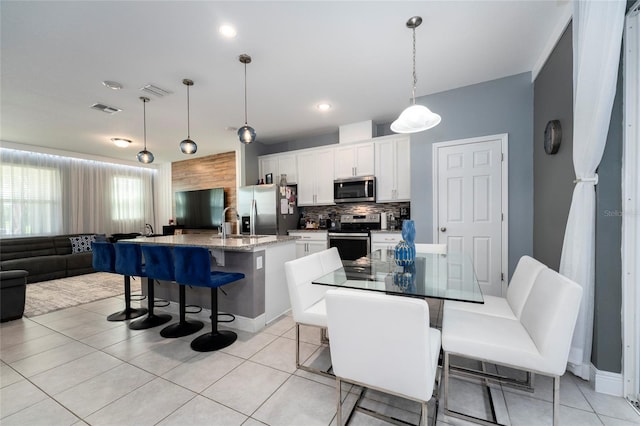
443,229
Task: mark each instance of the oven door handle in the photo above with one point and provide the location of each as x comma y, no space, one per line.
347,236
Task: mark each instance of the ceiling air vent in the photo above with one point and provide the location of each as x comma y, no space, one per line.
106,108
155,90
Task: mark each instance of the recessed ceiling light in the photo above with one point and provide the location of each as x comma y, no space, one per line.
227,31
114,85
120,142
324,107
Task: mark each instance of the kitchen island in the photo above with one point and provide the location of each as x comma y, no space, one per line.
256,300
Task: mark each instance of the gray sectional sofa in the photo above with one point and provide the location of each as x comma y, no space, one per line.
44,258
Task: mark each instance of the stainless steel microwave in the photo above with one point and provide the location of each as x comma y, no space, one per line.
354,190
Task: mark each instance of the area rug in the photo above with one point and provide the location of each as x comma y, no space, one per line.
49,296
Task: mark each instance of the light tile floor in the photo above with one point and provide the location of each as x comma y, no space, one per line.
72,367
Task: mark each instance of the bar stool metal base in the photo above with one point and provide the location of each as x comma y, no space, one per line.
127,314
213,341
150,321
182,328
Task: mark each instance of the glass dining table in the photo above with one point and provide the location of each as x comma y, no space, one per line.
448,276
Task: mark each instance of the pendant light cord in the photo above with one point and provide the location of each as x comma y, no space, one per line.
188,121
144,120
415,77
245,93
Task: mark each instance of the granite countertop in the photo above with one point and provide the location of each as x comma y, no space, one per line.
231,243
386,231
307,230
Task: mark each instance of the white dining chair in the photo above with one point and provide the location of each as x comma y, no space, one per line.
538,341
511,306
431,248
307,299
383,342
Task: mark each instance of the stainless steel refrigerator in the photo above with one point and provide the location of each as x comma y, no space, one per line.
267,209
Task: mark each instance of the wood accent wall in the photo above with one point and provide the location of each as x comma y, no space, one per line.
212,171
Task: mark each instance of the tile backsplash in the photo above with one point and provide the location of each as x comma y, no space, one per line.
314,212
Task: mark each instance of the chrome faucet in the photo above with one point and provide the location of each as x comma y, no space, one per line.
222,227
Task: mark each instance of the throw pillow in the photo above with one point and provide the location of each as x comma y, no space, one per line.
81,243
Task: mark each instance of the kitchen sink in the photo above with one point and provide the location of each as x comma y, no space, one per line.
236,236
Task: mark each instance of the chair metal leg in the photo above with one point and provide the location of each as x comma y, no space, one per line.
556,400
128,312
300,366
339,395
424,414
446,381
152,320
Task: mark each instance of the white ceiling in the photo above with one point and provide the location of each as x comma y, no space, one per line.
355,55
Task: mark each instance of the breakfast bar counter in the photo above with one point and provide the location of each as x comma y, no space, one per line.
256,300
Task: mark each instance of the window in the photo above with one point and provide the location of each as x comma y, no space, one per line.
31,200
127,199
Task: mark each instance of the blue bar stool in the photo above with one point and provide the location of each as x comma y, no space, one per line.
129,262
104,260
159,265
193,267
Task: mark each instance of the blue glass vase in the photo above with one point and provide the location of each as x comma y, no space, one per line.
409,231
405,253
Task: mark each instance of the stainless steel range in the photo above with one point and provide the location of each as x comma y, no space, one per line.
352,239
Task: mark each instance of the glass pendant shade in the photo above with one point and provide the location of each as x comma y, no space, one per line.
415,118
145,156
188,146
246,134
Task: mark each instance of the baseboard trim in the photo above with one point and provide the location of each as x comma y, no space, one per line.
607,382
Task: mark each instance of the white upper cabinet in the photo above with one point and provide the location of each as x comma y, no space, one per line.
315,177
267,164
393,169
354,160
277,165
287,165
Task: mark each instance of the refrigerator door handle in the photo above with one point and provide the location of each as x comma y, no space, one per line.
252,220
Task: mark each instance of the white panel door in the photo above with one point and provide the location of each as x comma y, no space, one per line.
469,212
344,162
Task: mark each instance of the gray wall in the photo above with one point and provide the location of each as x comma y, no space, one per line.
553,174
493,107
302,143
553,189
607,340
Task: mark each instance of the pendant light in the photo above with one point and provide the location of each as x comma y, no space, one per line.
246,133
145,156
415,118
188,146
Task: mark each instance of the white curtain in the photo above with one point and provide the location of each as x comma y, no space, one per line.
47,195
597,36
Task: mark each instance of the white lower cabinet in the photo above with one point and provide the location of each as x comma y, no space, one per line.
310,242
384,240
